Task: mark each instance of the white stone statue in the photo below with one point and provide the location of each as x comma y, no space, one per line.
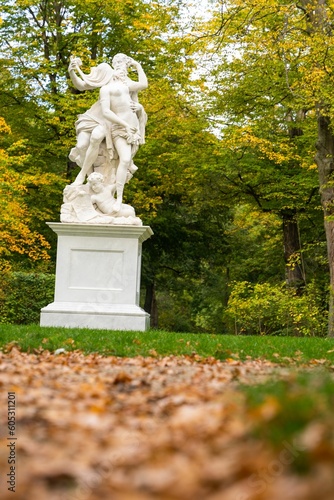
109,133
94,202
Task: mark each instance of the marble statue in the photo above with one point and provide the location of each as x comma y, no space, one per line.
94,202
108,137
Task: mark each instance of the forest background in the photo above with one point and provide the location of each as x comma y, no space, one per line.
235,178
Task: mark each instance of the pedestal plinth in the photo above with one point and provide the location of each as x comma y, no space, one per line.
97,277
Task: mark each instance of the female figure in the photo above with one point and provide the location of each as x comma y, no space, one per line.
117,118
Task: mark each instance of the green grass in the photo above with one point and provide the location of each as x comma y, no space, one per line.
296,402
283,350
277,410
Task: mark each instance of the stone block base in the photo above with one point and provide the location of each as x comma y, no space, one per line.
97,277
95,316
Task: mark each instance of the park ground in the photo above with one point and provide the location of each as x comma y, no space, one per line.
140,416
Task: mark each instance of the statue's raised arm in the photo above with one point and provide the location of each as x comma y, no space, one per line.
73,68
99,75
142,82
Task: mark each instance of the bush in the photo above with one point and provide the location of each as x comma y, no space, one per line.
23,295
175,312
265,309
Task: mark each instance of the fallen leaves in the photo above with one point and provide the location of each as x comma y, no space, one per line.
164,428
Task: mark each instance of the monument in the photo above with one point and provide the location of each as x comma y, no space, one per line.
99,237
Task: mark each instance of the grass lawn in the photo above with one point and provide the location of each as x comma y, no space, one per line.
242,417
283,350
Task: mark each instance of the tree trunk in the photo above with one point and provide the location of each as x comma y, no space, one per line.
150,305
292,250
325,162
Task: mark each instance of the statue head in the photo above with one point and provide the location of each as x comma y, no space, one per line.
121,60
95,181
95,177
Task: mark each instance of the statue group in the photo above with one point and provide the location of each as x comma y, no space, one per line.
108,136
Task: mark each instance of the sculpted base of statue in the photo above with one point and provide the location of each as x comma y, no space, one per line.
94,203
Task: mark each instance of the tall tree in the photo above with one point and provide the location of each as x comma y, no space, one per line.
277,61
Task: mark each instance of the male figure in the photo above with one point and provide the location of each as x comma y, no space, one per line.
103,197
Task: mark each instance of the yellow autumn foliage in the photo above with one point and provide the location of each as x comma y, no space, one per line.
16,233
4,128
244,137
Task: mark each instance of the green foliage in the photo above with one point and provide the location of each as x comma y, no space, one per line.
272,84
265,308
30,192
23,211
255,240
180,304
23,295
283,350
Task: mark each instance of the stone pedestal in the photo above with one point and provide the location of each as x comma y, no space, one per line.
97,277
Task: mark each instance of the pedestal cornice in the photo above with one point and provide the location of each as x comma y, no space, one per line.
141,233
